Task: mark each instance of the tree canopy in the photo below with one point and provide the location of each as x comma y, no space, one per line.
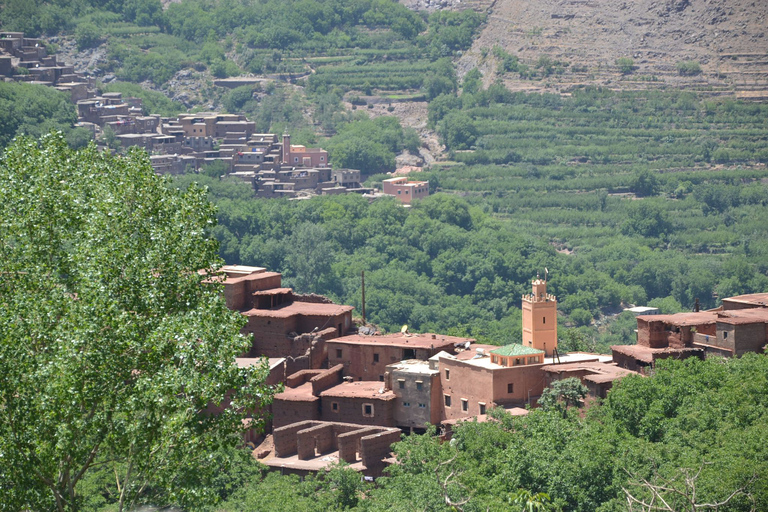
112,346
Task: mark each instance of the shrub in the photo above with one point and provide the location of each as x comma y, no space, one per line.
688,68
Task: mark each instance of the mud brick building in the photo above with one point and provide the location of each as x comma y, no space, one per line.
310,446
405,191
281,323
418,392
367,357
737,327
324,395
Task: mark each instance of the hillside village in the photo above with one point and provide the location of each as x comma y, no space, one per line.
350,391
186,143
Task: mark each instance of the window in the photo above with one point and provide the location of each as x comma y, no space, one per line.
335,406
401,383
338,353
381,378
419,385
464,405
398,192
375,358
406,404
510,388
368,410
322,158
725,335
447,374
422,406
447,400
409,353
482,407
543,319
295,159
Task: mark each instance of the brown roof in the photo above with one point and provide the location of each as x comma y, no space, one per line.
301,393
360,389
598,372
426,340
682,319
743,316
646,354
472,351
272,291
756,299
301,308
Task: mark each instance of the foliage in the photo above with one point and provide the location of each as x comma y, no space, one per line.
625,65
33,110
113,348
371,144
688,68
562,394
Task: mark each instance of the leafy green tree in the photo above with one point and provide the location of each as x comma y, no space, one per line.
114,352
562,394
457,131
625,65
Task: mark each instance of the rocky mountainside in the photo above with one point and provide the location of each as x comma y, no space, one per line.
725,37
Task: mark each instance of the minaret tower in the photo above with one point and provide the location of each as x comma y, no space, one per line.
540,318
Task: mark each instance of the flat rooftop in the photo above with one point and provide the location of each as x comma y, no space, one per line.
302,393
360,389
682,319
755,299
316,464
301,308
426,340
478,355
416,366
646,354
743,316
598,372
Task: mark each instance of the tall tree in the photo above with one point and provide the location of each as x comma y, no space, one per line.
113,347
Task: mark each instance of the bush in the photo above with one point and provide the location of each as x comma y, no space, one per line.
625,65
688,68
87,35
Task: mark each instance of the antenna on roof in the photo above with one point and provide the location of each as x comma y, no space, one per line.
546,274
404,329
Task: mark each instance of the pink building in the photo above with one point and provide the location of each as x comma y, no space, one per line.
405,191
302,156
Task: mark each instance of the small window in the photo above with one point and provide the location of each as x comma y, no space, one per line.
295,159
381,378
422,406
482,407
464,404
447,374
375,358
543,319
401,383
335,406
419,385
338,353
406,404
368,410
322,158
398,192
510,388
725,335
447,400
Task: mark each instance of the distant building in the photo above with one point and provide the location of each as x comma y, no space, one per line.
405,191
302,156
